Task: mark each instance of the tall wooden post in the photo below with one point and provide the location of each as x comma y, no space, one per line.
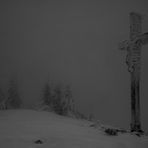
135,100
135,31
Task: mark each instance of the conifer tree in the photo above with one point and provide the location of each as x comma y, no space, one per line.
2,95
57,102
47,95
13,100
69,103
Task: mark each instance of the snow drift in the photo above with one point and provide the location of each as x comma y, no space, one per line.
40,129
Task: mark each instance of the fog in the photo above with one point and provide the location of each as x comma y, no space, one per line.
75,43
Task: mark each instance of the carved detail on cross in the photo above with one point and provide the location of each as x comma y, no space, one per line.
134,50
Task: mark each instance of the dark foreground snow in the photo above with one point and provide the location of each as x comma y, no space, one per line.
36,129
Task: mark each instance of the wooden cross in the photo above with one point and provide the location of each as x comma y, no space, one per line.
133,61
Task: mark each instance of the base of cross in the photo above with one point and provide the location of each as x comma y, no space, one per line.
136,128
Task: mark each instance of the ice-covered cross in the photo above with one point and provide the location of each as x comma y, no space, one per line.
133,61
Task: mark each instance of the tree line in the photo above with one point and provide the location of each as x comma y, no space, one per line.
57,98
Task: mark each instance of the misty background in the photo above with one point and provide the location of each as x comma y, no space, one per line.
75,43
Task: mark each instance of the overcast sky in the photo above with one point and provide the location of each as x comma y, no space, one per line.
73,42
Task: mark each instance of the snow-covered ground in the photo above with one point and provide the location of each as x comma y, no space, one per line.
21,128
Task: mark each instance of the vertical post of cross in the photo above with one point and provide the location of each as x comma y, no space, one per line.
135,31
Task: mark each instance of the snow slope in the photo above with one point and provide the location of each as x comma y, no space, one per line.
21,128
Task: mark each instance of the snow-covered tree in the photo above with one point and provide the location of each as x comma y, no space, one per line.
58,99
2,100
68,100
47,95
57,102
13,100
2,95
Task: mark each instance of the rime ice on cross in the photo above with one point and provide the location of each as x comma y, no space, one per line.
133,61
